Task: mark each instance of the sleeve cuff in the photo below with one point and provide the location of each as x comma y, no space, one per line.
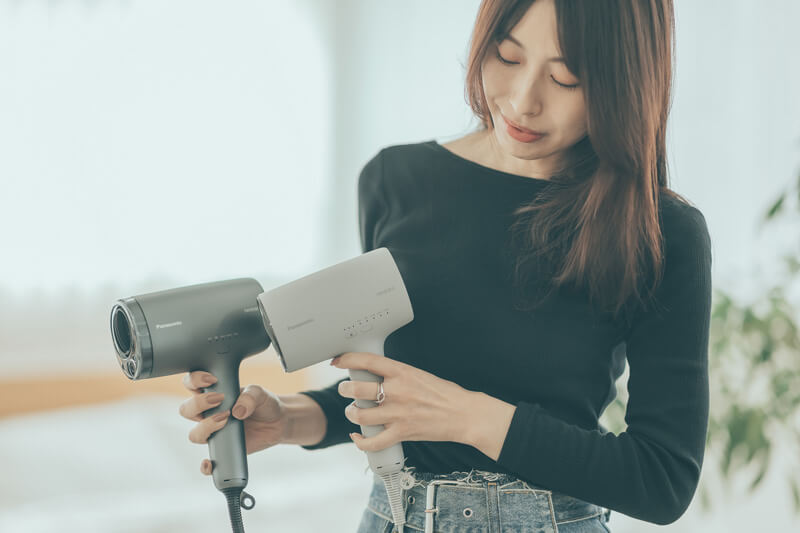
338,426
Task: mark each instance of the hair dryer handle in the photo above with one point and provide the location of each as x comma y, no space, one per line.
227,447
389,459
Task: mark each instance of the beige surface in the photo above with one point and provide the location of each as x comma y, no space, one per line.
31,394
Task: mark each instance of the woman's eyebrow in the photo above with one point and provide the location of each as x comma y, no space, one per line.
552,59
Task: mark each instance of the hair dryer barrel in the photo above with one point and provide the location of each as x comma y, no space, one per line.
179,330
351,306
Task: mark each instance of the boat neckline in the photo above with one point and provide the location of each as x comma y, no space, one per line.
435,144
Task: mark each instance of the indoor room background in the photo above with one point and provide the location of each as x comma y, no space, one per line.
148,144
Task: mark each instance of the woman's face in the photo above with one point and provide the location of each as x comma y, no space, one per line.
531,93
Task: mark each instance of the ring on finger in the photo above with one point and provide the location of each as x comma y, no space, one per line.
381,396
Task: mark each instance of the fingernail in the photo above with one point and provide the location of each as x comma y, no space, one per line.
215,397
239,411
209,380
219,417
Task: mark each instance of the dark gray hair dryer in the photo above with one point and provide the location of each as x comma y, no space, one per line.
210,327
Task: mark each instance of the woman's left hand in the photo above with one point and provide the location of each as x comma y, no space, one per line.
417,406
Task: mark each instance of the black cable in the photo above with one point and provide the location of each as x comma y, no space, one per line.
234,498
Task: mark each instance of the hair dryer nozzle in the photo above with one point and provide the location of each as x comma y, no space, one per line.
131,339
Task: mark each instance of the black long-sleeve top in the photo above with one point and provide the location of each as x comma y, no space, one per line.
446,221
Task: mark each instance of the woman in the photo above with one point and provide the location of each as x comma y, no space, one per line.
539,252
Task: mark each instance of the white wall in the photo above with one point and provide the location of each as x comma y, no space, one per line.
734,131
160,139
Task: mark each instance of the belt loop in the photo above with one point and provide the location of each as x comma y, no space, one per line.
493,506
429,508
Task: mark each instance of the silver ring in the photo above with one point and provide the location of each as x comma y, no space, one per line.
381,395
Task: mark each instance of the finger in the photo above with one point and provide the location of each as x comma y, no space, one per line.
381,441
371,416
202,431
362,390
194,407
252,397
373,363
197,380
205,467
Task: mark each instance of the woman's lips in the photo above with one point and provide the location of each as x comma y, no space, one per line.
520,128
523,136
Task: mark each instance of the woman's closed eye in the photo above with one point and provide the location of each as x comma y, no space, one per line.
506,62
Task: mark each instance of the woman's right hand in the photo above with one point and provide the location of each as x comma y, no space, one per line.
264,414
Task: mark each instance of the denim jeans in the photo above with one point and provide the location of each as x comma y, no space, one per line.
481,502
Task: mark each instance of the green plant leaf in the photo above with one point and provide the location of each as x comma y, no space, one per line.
763,467
766,350
776,207
722,306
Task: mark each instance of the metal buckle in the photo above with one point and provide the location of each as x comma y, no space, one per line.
429,508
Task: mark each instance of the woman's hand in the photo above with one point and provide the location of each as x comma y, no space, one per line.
418,405
264,414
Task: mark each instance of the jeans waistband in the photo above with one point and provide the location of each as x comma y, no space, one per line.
473,476
465,499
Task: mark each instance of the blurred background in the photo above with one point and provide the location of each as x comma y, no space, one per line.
146,145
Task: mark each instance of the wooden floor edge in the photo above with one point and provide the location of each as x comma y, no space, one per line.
26,395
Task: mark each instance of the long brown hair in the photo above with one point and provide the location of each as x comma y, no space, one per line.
597,222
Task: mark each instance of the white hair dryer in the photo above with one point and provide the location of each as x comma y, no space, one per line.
349,307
